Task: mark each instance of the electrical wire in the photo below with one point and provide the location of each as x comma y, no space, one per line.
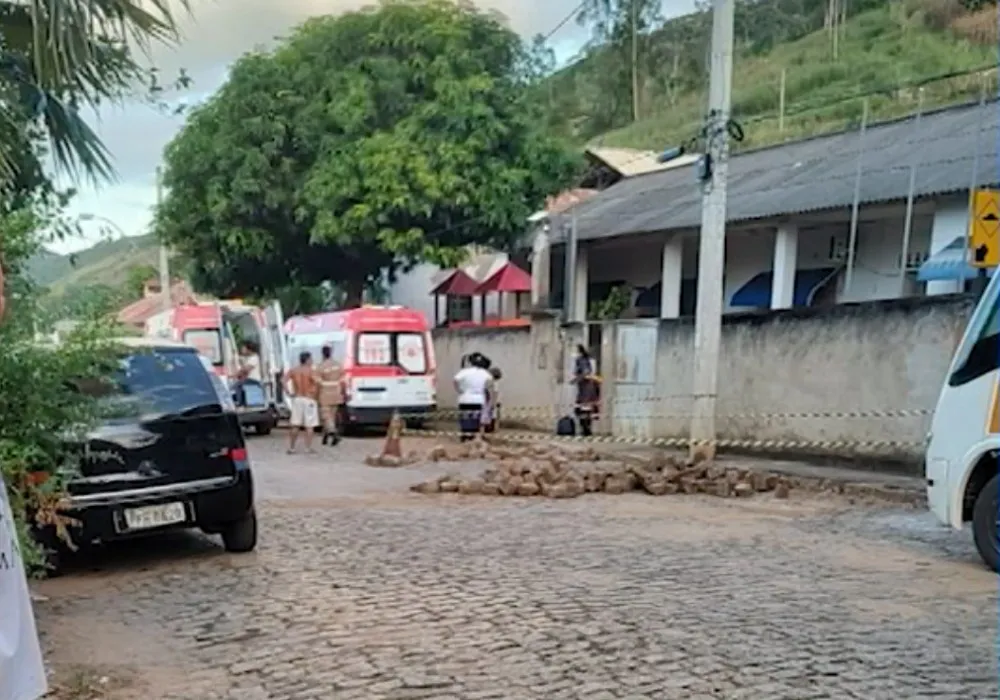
565,20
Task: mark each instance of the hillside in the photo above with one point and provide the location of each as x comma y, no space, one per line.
106,263
885,54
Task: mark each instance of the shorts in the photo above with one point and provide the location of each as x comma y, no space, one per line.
305,413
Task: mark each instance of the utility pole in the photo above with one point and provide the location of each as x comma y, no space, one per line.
712,251
165,296
635,60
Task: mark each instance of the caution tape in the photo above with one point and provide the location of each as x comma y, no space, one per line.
831,446
509,412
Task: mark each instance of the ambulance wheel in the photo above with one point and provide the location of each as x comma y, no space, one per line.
984,524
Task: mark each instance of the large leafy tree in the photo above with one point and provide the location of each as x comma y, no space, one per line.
364,142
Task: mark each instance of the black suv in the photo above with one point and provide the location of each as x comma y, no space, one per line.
170,454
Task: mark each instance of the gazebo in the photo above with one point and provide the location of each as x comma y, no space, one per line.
509,279
458,284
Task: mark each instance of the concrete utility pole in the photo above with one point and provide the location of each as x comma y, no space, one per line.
712,252
165,296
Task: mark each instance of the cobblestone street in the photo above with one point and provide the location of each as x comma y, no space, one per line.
361,590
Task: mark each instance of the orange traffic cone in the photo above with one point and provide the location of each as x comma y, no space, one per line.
394,437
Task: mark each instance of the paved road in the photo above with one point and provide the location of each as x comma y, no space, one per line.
360,590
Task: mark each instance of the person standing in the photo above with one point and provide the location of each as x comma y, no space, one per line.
330,375
303,387
472,384
588,391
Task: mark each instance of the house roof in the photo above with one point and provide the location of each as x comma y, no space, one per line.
630,162
509,278
810,175
138,312
457,284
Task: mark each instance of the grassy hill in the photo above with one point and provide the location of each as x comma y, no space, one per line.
106,263
885,54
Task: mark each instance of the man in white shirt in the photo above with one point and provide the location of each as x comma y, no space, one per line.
473,385
22,672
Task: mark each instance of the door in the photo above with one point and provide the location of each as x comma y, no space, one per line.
634,378
391,369
274,321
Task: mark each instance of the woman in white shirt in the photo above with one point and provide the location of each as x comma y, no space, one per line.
473,385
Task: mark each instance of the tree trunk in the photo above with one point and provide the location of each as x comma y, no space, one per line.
354,291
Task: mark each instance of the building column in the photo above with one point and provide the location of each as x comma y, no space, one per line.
786,249
541,270
580,285
670,277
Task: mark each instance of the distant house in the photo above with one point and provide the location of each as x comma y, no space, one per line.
138,312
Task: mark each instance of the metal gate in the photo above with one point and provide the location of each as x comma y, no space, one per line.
634,377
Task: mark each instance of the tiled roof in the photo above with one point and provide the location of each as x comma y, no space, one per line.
138,312
810,175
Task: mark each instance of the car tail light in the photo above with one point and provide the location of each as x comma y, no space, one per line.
238,454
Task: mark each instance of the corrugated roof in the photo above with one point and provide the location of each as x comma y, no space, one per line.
809,175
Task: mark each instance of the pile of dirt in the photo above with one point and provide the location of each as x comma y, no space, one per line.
566,471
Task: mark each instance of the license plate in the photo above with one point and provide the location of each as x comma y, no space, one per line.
149,517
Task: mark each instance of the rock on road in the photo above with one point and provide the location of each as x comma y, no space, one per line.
360,590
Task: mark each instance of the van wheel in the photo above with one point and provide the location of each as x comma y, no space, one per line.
265,428
241,535
984,524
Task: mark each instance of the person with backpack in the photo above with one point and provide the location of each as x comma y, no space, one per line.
588,391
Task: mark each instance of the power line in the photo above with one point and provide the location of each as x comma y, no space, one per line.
565,20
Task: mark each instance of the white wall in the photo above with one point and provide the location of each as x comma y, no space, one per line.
877,260
951,220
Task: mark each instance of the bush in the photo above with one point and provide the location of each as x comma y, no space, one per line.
38,403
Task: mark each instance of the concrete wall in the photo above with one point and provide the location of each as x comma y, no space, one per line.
871,356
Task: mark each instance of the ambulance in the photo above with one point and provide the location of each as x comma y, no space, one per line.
387,354
964,439
216,330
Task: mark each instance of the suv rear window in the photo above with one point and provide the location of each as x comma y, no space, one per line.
160,380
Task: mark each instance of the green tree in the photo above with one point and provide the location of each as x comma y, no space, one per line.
367,141
136,279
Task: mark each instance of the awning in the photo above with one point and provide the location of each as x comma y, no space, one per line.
949,264
509,278
757,292
457,284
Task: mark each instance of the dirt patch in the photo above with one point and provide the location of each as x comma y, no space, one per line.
94,658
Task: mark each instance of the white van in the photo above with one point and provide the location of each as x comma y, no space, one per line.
962,447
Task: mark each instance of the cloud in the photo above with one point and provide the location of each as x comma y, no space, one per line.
213,35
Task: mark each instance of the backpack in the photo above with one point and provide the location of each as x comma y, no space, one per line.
566,427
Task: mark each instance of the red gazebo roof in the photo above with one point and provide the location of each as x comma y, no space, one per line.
457,284
509,278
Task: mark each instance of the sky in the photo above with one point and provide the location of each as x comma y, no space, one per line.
213,36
